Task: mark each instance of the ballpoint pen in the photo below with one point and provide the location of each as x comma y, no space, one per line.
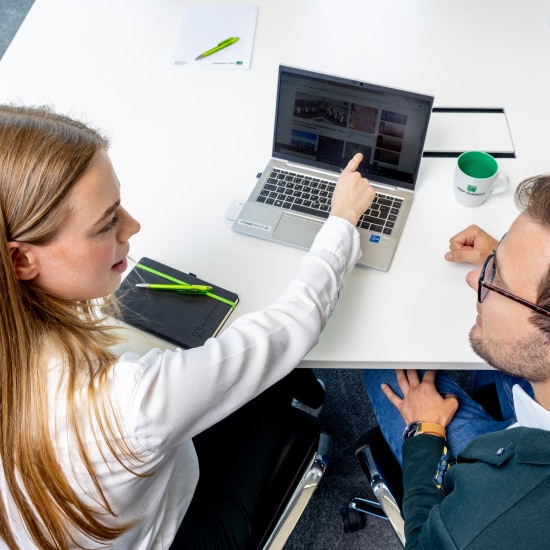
219,47
182,289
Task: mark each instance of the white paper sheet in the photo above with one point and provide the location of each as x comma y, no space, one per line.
203,27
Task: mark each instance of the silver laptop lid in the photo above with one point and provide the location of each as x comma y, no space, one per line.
323,120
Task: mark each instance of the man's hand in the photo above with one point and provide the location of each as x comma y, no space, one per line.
421,400
472,245
352,194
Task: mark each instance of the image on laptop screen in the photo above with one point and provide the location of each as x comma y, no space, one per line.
323,121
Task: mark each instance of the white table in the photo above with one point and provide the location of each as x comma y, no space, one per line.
185,143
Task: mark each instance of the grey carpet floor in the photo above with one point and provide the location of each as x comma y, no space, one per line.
12,13
346,415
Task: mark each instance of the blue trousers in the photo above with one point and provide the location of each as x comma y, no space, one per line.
470,421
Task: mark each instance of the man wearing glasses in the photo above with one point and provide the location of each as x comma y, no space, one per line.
498,492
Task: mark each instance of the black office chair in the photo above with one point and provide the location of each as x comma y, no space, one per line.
385,476
296,463
298,470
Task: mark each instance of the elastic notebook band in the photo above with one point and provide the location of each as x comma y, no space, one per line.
174,280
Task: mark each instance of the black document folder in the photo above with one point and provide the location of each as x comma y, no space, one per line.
186,320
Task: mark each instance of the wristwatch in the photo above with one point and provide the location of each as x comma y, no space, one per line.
419,427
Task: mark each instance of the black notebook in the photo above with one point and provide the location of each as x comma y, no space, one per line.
182,319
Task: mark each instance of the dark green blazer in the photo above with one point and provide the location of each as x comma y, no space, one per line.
496,496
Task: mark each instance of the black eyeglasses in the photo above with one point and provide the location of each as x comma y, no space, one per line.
485,284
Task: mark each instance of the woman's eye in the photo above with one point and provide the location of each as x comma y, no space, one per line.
111,225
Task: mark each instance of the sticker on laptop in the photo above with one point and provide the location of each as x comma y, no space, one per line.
374,238
254,225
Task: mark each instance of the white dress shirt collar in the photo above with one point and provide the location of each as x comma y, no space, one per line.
529,413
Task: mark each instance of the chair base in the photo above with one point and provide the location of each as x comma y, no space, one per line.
357,511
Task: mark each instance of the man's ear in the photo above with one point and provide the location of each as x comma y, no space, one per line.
24,260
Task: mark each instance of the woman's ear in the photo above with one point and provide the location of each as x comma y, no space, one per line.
24,260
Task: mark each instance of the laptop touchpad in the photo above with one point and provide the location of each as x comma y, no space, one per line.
297,231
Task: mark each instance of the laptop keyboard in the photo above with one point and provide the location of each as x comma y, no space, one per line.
310,195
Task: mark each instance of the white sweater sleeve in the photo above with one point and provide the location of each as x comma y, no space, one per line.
170,396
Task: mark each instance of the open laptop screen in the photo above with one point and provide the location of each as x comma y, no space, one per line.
323,120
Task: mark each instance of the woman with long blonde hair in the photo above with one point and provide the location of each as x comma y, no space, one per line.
97,448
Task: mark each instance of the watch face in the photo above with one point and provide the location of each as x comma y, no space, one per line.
410,430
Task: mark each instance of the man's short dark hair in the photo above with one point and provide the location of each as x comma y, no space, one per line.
533,197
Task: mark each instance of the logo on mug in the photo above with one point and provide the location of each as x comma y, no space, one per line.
472,188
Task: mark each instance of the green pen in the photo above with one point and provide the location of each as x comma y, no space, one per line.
219,47
182,289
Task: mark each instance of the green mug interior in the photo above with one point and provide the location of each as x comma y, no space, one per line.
477,164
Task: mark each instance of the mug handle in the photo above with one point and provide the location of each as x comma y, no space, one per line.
501,184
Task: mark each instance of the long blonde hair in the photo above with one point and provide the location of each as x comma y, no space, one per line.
42,155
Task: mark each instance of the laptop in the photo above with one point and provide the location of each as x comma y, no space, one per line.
321,121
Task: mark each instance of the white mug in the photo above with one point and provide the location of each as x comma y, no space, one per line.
477,177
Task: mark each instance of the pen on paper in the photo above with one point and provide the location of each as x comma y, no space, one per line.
183,289
223,44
